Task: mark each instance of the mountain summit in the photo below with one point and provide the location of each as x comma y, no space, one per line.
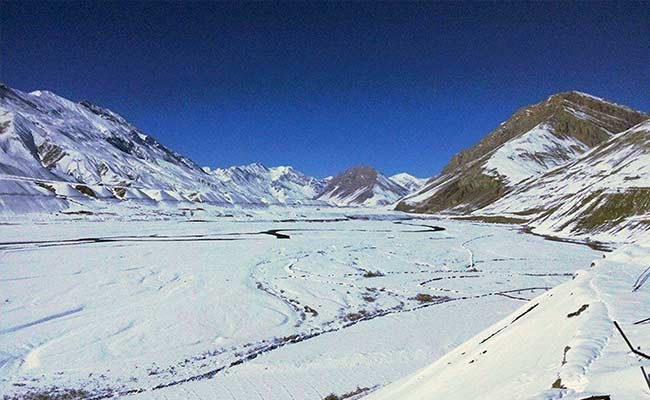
534,140
362,185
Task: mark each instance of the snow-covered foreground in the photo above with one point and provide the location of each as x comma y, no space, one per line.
585,339
259,308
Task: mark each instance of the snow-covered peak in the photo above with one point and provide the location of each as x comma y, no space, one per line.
362,186
408,181
280,171
282,184
45,93
241,172
534,140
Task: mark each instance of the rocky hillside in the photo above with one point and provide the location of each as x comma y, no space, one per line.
533,141
603,193
362,186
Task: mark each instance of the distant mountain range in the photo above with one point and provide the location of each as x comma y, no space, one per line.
55,153
276,185
571,165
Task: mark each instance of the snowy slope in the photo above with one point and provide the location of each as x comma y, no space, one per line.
562,344
18,151
532,154
533,141
606,192
83,143
362,186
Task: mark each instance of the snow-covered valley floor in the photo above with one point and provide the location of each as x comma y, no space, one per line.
245,308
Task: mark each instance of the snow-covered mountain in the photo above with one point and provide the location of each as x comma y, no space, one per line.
606,191
276,185
362,186
408,181
81,142
55,152
68,144
534,140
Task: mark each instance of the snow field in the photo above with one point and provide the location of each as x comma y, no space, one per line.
226,307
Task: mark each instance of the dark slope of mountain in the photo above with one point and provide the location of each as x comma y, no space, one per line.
53,150
362,186
534,140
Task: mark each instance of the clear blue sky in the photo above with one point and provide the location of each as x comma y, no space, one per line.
399,86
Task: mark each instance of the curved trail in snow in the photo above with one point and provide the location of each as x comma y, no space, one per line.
472,263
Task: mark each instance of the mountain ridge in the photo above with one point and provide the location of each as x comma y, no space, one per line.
543,136
54,152
71,145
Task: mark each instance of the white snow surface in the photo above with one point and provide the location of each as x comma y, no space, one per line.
208,306
532,154
562,344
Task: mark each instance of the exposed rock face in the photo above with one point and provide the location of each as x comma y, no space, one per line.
362,186
534,140
470,190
